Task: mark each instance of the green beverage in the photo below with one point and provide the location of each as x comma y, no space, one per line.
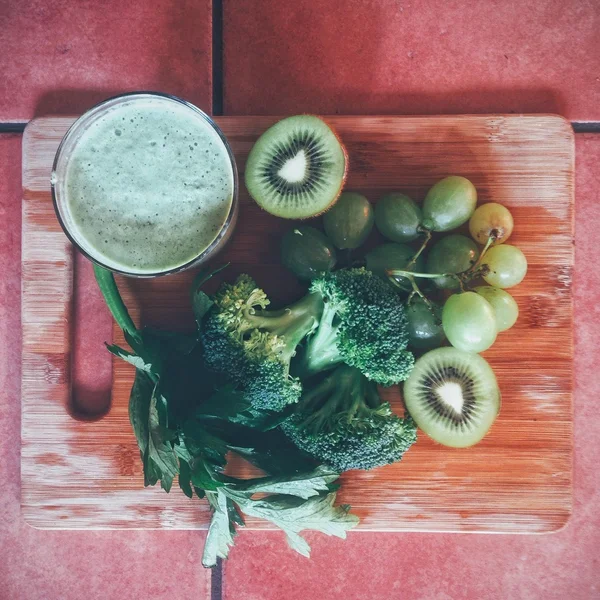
147,186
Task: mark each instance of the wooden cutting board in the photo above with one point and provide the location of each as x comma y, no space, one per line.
87,474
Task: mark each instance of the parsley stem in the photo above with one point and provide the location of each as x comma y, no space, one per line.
112,297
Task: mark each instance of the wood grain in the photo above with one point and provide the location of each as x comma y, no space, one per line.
84,474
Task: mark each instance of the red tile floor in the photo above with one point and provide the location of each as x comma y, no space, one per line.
61,56
412,57
352,56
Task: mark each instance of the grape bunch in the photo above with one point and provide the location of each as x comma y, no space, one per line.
474,313
440,254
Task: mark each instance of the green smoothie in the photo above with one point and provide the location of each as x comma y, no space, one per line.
149,186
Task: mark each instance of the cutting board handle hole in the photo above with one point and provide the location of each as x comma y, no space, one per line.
89,404
91,367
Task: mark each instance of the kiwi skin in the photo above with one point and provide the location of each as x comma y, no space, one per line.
429,420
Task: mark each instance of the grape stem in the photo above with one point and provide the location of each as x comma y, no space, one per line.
489,242
415,287
411,274
427,233
463,276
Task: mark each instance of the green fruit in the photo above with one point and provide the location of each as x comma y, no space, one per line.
491,220
453,396
424,325
507,266
506,310
452,254
393,256
297,168
306,252
349,222
449,204
469,322
398,218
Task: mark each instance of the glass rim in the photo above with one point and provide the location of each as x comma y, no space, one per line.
226,225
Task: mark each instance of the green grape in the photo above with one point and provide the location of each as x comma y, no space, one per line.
449,204
425,330
398,218
452,254
349,221
506,310
306,252
491,219
469,322
507,266
393,256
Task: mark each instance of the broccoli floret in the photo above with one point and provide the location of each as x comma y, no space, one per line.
266,380
343,422
348,316
363,325
254,346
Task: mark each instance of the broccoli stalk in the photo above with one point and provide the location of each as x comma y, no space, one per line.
345,393
343,422
321,352
289,325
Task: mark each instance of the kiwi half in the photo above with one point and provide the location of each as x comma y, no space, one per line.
453,396
297,168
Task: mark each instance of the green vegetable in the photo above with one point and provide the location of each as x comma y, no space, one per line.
306,252
342,421
294,505
398,218
187,429
108,287
349,315
255,346
350,221
363,324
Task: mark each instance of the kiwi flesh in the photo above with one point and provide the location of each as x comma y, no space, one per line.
453,396
297,168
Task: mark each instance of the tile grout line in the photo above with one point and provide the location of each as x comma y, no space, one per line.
17,127
586,126
216,581
217,57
